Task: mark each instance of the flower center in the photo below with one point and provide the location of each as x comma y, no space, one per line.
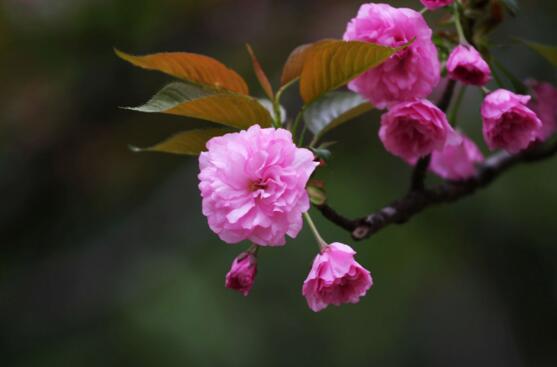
257,185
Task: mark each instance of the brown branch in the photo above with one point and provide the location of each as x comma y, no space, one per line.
414,202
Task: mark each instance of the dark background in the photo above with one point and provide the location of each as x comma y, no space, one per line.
106,260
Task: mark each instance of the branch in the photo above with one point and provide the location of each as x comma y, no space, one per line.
400,211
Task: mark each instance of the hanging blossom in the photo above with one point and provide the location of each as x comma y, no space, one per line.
411,130
507,123
456,161
466,65
335,278
253,185
544,104
412,72
242,273
436,4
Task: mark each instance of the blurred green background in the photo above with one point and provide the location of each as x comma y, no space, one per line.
106,260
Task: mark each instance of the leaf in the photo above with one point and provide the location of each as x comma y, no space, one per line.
512,6
198,69
225,108
322,153
334,109
549,52
260,74
334,63
188,142
295,62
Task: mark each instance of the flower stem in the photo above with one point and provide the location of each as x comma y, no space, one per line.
320,241
276,103
253,249
302,134
454,110
297,121
423,11
458,25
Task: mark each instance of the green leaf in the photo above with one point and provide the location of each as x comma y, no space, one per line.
188,142
322,153
332,64
334,109
198,69
512,6
224,108
547,51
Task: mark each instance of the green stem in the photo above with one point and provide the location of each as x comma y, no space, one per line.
301,138
458,25
423,11
297,121
454,110
314,141
276,104
320,241
253,249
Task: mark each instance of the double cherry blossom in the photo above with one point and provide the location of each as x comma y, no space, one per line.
253,182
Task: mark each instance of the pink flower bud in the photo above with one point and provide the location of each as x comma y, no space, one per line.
412,72
242,273
335,278
544,104
253,185
412,130
457,161
435,4
466,65
507,123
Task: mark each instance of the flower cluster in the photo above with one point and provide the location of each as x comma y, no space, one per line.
253,182
253,185
414,128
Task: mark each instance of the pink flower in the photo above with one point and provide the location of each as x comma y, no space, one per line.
507,122
335,278
457,161
411,130
412,72
435,4
466,65
242,273
544,105
253,185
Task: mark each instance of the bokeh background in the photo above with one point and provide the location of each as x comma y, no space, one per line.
106,260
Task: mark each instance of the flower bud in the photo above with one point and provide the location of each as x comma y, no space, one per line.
466,65
242,273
